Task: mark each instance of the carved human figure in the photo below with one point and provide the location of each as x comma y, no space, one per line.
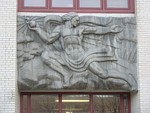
74,56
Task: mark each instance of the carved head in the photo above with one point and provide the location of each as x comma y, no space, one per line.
72,17
75,21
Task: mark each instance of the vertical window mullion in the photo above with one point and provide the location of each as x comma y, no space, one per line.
29,103
49,4
77,5
131,5
121,103
21,103
91,103
104,4
60,103
129,103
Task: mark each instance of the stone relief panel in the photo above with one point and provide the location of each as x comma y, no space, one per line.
72,52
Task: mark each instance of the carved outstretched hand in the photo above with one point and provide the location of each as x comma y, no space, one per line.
33,26
116,28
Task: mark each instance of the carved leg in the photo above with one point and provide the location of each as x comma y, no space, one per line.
97,70
126,77
54,64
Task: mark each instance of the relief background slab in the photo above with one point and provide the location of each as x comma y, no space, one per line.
72,52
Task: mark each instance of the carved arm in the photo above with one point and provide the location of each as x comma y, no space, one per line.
48,38
102,30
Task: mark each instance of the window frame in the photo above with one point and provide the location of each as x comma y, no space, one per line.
76,8
29,94
130,9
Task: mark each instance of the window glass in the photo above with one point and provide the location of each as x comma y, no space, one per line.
62,3
106,103
90,3
25,106
34,3
125,103
87,6
75,104
44,104
117,3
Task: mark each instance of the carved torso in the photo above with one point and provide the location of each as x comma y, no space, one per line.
71,40
70,36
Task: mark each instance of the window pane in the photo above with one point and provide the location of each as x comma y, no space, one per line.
106,103
25,107
62,3
90,3
75,104
125,103
117,3
44,104
34,3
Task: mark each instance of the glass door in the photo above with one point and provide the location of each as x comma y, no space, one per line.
75,103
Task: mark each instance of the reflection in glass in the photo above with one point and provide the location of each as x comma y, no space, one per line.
62,3
90,3
117,3
34,3
125,103
44,104
106,103
25,104
75,104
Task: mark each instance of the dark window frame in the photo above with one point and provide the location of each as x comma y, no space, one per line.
29,94
76,8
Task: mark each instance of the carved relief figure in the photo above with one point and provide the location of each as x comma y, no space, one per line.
72,57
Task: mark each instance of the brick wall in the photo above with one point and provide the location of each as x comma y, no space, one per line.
143,27
8,75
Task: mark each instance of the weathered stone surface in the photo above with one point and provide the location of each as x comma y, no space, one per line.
74,53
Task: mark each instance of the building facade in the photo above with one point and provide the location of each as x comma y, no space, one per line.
11,95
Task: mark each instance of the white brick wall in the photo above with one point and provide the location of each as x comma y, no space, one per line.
143,28
8,89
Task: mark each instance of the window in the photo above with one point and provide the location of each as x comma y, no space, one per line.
62,4
117,3
33,3
90,4
75,102
82,6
